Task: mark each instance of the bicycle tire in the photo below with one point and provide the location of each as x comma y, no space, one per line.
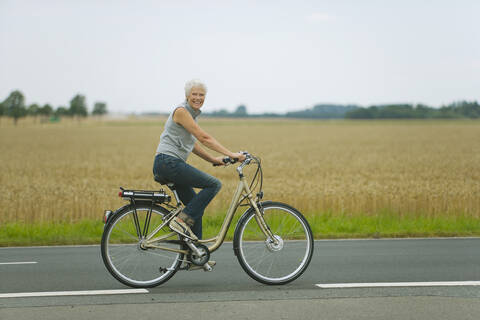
269,263
126,260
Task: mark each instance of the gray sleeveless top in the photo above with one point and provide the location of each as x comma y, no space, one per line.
175,140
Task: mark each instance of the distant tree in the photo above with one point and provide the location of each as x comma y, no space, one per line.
78,107
466,109
220,113
395,111
422,111
46,111
323,111
100,108
2,110
268,115
33,111
61,112
362,113
15,106
241,111
446,112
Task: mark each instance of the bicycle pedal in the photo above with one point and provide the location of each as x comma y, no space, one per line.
206,267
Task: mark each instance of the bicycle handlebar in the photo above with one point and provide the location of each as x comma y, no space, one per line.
228,160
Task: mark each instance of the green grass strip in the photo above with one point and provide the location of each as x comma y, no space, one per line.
19,234
389,225
324,226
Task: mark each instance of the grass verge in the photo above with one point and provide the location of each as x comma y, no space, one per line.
324,226
42,234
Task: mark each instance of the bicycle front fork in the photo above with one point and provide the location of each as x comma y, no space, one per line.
262,224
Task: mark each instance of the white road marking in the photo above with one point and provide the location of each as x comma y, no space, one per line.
398,284
9,263
71,293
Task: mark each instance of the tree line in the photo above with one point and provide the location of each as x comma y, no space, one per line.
456,110
322,111
14,106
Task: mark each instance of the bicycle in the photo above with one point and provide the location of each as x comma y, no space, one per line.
273,241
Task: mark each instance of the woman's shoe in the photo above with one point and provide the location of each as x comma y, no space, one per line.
178,225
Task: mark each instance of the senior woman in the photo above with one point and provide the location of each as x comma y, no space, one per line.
181,136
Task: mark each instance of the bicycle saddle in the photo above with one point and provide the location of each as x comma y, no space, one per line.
169,184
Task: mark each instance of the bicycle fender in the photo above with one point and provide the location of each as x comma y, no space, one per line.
116,212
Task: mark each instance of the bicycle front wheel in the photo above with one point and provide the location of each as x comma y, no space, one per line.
131,262
274,262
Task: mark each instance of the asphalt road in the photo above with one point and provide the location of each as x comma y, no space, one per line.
229,292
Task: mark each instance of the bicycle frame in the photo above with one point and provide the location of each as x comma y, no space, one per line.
242,188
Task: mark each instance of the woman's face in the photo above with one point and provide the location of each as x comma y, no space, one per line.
196,98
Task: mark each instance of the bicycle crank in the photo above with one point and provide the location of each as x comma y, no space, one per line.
198,254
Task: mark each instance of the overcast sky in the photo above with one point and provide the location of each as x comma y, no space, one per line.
272,56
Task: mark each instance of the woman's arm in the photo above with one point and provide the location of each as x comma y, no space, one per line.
199,151
183,118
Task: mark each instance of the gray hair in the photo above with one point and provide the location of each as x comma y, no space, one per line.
194,83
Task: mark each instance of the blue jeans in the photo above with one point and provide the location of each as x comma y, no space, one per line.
185,177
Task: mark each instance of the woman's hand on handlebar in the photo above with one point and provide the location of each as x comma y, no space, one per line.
239,156
223,161
218,161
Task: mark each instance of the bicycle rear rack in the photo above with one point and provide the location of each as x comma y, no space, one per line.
157,197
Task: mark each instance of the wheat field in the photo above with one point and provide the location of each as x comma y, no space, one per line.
71,171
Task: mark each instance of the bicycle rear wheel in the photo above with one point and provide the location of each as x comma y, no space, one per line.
266,261
124,256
